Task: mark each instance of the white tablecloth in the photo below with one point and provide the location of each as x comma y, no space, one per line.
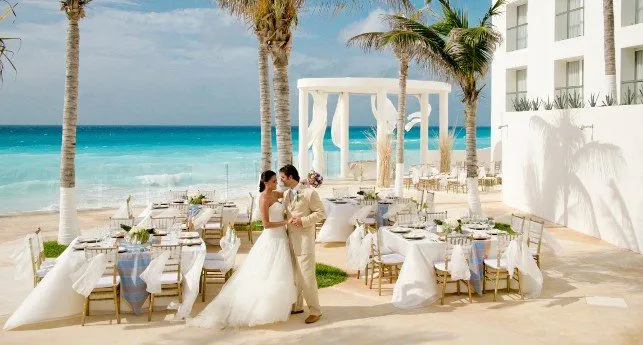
337,227
54,297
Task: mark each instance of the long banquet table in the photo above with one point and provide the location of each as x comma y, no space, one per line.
54,298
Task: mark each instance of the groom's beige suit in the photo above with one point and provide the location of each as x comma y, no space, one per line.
304,203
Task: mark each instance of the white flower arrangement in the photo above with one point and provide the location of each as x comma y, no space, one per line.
450,224
138,235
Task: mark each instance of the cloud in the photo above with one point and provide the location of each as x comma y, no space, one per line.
372,23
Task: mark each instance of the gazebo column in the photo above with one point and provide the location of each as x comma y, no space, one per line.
344,150
444,115
303,131
381,134
424,128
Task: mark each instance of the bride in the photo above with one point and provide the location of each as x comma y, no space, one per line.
263,290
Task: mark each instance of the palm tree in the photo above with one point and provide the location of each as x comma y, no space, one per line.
279,19
254,14
609,51
404,52
462,53
6,53
68,225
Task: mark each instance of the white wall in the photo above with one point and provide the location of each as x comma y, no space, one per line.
554,170
543,52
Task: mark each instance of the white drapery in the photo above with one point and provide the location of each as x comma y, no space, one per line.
87,276
317,129
387,117
336,125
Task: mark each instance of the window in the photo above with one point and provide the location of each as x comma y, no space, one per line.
573,80
633,89
570,21
517,34
518,88
639,12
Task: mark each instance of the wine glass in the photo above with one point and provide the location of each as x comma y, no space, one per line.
491,222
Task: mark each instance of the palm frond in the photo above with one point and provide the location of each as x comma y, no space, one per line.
493,11
368,41
5,53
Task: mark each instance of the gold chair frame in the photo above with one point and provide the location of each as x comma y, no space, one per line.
107,293
535,237
173,265
495,274
377,264
444,277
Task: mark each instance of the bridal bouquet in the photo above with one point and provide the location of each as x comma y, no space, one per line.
138,235
315,179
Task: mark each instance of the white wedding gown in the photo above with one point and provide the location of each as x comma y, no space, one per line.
263,290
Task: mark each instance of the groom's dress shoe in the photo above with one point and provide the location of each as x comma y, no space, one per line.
313,318
293,312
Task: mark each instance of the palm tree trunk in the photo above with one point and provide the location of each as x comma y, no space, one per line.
282,105
401,113
471,105
265,113
68,224
609,51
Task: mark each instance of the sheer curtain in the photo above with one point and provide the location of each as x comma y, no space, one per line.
575,76
638,74
521,81
521,32
575,20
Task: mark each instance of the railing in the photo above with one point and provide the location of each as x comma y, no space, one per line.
633,89
517,37
565,29
513,97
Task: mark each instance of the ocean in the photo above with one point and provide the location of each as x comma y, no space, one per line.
145,161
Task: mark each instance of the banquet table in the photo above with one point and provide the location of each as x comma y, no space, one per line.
416,284
337,226
55,298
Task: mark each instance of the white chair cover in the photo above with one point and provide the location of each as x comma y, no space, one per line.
512,257
458,266
394,209
415,175
152,274
146,222
87,276
124,211
365,251
231,255
202,218
146,212
361,214
354,248
530,275
22,260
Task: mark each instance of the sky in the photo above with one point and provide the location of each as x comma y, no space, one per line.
186,62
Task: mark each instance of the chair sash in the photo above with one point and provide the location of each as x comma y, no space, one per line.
146,222
458,266
362,213
87,276
152,274
354,247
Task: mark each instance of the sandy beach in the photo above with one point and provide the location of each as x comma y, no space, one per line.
356,315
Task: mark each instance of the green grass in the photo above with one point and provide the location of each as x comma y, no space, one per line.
53,249
329,275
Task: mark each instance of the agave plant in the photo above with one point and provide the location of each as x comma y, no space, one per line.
593,99
629,98
548,105
560,102
521,104
535,104
5,53
609,101
575,100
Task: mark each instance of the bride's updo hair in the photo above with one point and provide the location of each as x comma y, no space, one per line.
265,177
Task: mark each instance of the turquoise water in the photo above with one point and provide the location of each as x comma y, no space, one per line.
144,161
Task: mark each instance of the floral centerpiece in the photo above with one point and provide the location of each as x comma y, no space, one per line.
196,200
449,225
138,235
368,195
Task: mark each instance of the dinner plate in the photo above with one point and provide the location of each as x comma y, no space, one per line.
190,242
341,202
413,236
493,231
88,239
188,235
400,230
160,233
119,234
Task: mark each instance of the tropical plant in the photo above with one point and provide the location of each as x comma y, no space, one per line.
446,151
593,99
276,22
629,98
535,104
521,104
609,101
560,101
575,100
609,50
5,53
548,105
404,51
462,53
68,225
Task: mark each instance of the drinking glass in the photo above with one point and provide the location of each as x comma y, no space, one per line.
491,222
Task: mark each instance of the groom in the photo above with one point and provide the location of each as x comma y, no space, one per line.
305,209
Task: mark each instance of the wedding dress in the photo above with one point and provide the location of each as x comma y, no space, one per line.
263,290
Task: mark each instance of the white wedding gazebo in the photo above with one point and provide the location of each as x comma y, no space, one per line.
311,134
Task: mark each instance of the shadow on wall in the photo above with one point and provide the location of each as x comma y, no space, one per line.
574,171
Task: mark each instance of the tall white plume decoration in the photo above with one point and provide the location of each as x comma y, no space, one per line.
317,129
